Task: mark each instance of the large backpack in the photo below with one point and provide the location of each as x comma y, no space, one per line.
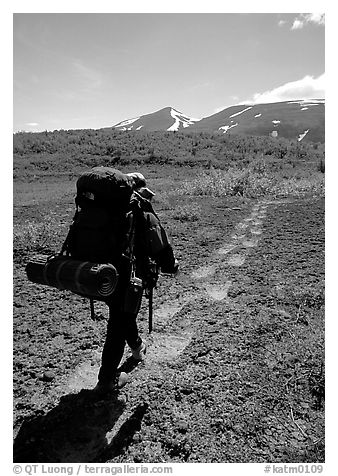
100,225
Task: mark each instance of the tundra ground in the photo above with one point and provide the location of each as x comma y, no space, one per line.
235,364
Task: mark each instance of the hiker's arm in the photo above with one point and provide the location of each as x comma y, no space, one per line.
166,260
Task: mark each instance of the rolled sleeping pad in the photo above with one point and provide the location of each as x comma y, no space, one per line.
92,280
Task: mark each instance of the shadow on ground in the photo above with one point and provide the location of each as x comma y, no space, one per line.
75,430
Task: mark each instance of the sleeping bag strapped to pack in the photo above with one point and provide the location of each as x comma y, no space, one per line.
96,281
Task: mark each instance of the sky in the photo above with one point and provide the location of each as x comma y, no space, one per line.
93,70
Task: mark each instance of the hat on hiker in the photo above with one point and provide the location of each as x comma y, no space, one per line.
140,185
138,178
146,193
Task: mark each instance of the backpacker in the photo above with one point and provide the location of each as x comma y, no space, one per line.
116,224
115,232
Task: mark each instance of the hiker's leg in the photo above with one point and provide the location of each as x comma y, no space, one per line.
121,327
131,331
113,347
130,326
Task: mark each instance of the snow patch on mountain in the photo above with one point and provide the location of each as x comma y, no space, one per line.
307,102
301,136
180,119
241,112
226,128
127,122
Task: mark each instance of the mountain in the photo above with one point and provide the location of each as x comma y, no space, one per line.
301,120
166,119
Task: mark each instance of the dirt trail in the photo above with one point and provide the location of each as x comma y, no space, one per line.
212,280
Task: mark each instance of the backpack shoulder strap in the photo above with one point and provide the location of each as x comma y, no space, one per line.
144,204
66,243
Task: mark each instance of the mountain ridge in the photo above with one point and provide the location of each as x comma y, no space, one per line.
297,119
157,120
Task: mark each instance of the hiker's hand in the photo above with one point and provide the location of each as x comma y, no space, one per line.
173,272
176,270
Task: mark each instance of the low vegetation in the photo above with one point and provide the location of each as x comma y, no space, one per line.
254,184
68,151
38,236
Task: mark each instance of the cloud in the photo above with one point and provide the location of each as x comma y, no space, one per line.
281,22
306,18
32,124
297,24
306,88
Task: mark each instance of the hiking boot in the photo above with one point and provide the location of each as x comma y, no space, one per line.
114,385
140,352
